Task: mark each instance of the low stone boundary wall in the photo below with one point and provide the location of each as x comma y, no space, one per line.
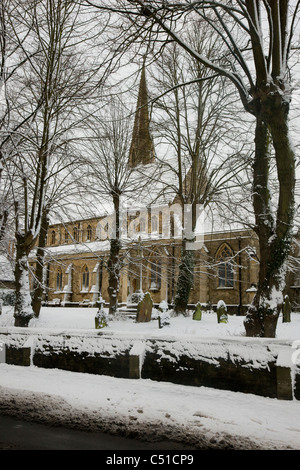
259,366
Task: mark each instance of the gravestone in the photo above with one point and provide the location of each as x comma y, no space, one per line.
164,319
197,315
101,318
164,316
144,309
222,312
286,310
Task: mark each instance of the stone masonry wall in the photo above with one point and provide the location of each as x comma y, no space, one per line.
255,366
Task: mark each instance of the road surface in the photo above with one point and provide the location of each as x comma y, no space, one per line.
16,434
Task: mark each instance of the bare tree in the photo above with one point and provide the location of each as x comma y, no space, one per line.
55,81
258,36
193,109
113,179
10,63
65,193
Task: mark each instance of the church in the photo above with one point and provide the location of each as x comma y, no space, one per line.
76,254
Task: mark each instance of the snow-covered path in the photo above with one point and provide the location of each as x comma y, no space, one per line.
199,417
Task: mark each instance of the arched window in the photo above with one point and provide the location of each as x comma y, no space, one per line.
76,234
59,279
53,237
89,233
154,224
225,266
155,271
66,236
142,225
85,279
172,225
160,223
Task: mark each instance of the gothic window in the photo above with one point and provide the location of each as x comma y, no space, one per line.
155,272
172,225
76,234
154,224
89,232
53,237
142,225
225,266
160,223
85,278
66,236
59,279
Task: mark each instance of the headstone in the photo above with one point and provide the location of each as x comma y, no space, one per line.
164,316
197,315
101,318
164,319
144,309
222,312
286,310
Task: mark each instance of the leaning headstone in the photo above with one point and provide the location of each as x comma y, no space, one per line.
286,310
144,309
101,318
222,312
197,315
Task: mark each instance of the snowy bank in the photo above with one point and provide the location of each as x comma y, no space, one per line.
199,417
182,353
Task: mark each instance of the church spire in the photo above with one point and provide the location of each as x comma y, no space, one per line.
142,149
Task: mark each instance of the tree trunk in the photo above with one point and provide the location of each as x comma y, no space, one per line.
274,230
113,265
3,220
185,280
23,311
38,280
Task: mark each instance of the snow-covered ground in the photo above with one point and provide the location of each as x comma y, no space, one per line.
84,319
198,417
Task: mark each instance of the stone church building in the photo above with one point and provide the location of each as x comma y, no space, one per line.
226,263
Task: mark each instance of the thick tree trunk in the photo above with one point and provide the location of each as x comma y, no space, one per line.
113,265
274,230
23,311
185,281
113,268
38,280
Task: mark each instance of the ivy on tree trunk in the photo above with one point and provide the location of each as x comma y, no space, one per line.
184,282
274,230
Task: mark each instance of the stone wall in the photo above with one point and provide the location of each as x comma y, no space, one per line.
250,366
